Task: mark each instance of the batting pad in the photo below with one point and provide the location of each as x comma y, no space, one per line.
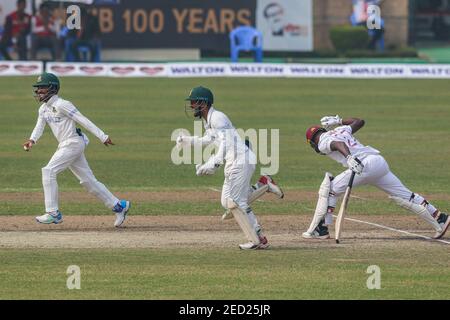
417,209
241,217
256,194
322,202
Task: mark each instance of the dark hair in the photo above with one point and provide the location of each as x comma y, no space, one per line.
270,6
21,1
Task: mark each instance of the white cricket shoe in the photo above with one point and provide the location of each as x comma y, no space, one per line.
263,244
444,222
314,235
319,233
273,187
121,210
50,218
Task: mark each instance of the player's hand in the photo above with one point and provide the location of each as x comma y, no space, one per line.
108,142
207,168
180,141
183,141
28,145
330,122
354,164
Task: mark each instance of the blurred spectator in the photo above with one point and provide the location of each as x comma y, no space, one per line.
43,33
359,18
87,36
17,27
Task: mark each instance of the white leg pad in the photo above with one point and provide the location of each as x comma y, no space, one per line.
419,210
256,194
243,221
322,202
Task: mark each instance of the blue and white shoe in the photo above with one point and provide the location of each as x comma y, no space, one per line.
50,218
121,210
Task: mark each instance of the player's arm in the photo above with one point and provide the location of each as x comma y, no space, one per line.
353,162
219,156
214,162
36,134
72,112
207,139
340,147
354,123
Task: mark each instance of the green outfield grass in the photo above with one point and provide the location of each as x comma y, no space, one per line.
408,120
222,274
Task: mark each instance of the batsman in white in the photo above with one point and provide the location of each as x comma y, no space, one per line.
240,162
62,116
335,139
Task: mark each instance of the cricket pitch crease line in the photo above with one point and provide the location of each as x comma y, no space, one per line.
360,198
380,226
393,229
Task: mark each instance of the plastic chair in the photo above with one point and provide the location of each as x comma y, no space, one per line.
246,38
84,51
10,51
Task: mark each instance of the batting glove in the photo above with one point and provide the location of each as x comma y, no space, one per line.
354,164
330,122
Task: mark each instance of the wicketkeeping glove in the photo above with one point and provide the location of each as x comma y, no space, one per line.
329,122
182,141
207,168
354,164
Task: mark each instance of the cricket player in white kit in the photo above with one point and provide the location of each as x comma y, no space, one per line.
240,162
62,116
335,139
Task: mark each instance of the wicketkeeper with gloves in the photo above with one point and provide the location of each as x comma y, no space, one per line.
335,139
240,163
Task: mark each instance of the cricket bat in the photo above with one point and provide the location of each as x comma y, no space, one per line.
343,209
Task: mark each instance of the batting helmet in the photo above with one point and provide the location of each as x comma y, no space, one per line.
311,133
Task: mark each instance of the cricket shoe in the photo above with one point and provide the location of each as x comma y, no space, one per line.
263,244
121,210
273,187
444,222
49,218
319,233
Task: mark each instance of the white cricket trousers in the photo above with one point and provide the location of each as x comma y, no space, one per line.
376,172
237,186
70,154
